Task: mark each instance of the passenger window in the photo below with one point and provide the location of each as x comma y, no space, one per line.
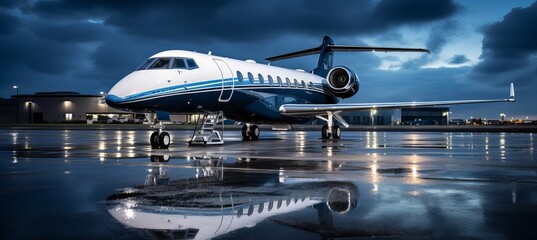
179,63
303,84
191,64
270,205
160,63
261,207
239,76
279,81
288,82
311,85
145,64
270,80
250,210
296,83
261,80
251,77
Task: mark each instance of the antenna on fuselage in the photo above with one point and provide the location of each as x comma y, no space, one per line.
210,53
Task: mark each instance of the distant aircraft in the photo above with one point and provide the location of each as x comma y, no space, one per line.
193,83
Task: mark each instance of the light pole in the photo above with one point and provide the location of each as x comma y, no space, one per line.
17,89
373,113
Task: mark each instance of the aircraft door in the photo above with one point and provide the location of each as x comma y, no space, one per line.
228,85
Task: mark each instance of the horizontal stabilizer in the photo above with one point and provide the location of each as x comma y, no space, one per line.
342,48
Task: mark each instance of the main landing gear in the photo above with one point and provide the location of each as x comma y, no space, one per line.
250,132
330,129
326,133
160,139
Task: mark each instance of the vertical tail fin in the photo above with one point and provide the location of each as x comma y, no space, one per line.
326,56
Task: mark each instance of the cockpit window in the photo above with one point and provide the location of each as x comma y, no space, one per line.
164,63
191,63
179,63
145,64
160,63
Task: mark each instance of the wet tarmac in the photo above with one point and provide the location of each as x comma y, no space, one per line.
109,184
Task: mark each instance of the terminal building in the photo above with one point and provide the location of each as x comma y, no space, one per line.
73,107
57,107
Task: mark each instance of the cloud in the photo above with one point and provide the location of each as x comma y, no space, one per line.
439,36
244,20
458,59
394,11
509,48
8,23
70,32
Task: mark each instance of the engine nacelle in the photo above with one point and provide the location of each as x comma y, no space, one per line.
343,82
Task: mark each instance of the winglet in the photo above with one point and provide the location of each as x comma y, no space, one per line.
512,93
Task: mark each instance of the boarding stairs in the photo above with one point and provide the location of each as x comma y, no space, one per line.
209,130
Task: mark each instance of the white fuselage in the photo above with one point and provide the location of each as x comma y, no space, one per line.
217,84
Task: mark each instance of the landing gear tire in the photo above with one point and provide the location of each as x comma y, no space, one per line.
154,140
324,132
336,132
164,140
254,132
245,133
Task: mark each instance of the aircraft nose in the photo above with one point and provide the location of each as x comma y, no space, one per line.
112,100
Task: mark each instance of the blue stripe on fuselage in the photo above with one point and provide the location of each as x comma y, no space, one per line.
208,85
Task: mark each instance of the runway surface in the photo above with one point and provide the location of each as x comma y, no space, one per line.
109,184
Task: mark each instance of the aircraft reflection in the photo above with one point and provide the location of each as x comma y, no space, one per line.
212,204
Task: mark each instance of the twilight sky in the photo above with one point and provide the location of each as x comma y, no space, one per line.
478,46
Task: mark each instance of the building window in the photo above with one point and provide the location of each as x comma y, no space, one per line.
68,116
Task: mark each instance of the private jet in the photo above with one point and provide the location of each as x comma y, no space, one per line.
221,88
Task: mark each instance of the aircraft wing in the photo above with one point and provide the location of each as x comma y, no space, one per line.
322,109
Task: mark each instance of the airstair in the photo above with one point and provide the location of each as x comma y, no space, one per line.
209,130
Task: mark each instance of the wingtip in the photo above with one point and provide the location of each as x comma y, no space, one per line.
512,92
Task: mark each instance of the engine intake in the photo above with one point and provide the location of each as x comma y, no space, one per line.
343,82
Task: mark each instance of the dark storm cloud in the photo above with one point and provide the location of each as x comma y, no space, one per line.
459,59
438,37
8,23
509,47
73,32
247,20
394,11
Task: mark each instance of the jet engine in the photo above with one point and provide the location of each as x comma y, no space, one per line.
343,82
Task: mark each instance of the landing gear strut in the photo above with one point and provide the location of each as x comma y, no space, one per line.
250,132
160,139
330,129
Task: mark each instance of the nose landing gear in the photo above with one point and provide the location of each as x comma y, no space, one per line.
160,139
250,132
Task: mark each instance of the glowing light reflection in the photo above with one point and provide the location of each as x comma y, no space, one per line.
374,178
